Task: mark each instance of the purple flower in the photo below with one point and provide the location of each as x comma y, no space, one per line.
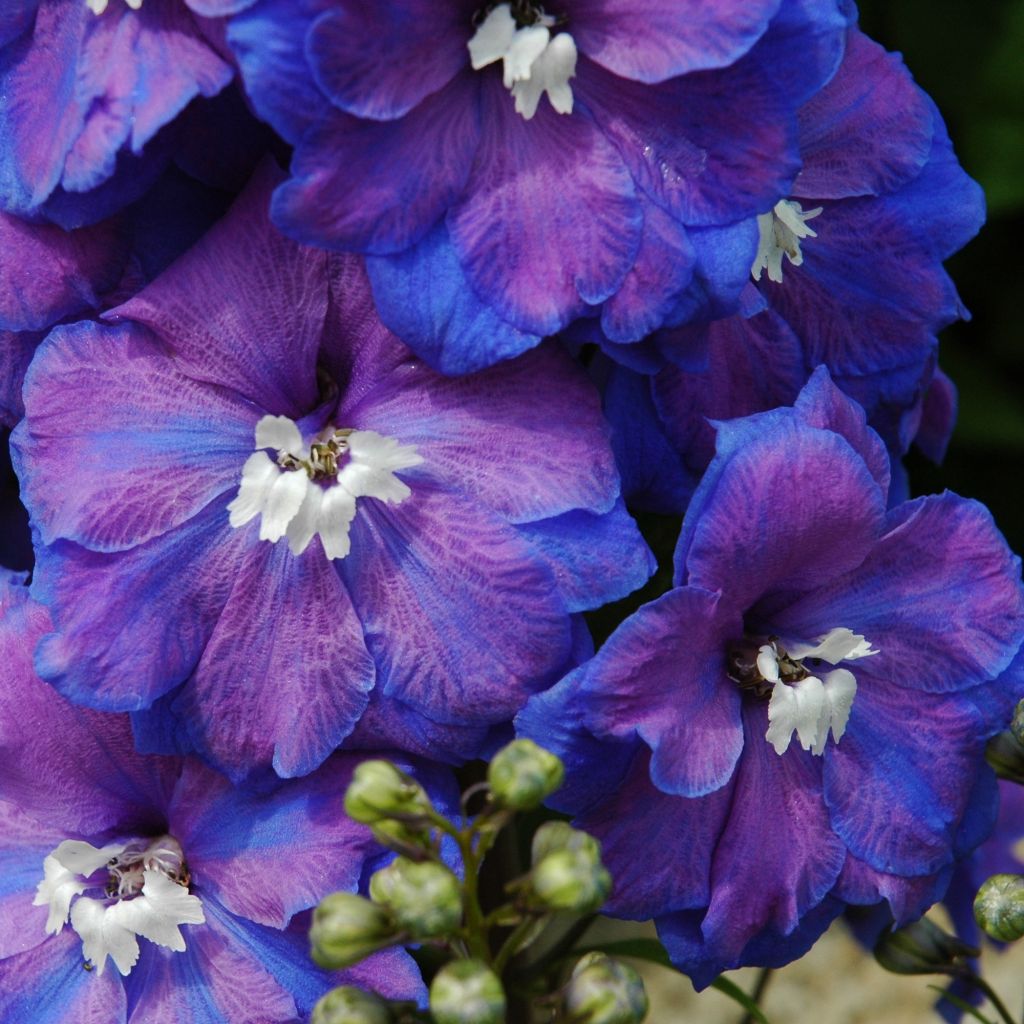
183,896
318,538
510,168
799,724
87,86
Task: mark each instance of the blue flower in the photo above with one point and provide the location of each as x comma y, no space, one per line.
497,211
799,723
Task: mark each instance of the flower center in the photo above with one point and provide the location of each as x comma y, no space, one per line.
138,888
534,61
781,231
99,6
800,700
311,490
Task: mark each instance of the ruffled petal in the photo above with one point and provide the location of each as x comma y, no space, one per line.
549,221
287,693
461,621
652,40
112,421
378,187
267,289
98,660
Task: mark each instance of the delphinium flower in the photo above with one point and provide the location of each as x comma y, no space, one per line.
799,723
87,86
290,523
512,166
848,274
147,888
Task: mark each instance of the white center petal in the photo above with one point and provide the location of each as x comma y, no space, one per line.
534,62
836,645
311,489
768,663
780,232
795,708
99,6
143,891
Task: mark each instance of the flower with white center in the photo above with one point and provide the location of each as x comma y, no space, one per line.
781,231
144,892
533,61
99,6
811,706
311,489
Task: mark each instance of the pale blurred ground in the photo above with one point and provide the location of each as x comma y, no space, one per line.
835,983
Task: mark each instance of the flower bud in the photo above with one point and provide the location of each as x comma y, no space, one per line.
467,992
1005,755
605,991
378,790
522,774
349,1005
1017,725
999,907
424,898
411,840
560,835
347,928
922,948
570,880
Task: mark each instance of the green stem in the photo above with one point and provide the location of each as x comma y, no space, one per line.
511,945
476,926
757,993
997,1003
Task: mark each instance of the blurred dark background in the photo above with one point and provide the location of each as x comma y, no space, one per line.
969,55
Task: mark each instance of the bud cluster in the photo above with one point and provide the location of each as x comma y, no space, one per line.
428,896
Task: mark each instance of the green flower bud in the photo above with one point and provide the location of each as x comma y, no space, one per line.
570,880
467,992
922,948
348,1005
1005,754
1017,725
999,907
560,835
522,774
378,790
347,928
411,840
424,898
605,991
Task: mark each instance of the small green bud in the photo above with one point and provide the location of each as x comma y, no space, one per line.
522,774
378,790
605,991
560,835
570,880
922,948
425,898
411,840
347,928
467,992
1017,725
999,907
349,1005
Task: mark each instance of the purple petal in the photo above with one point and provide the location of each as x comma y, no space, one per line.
47,274
297,834
783,506
377,186
47,985
288,693
549,220
495,435
939,596
99,660
777,857
267,289
872,99
652,40
896,804
662,675
710,148
462,622
594,559
657,847
143,448
216,979
938,417
380,61
74,770
907,897
16,351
